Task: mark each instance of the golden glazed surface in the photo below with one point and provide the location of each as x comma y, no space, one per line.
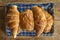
13,20
40,20
27,20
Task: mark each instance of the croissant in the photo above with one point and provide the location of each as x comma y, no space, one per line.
12,20
39,19
49,22
27,21
19,28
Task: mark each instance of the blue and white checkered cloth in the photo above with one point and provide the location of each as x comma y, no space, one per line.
21,7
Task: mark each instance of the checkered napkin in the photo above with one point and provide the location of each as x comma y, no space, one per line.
21,7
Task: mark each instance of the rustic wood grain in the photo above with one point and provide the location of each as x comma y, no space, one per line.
57,12
10,1
57,27
56,35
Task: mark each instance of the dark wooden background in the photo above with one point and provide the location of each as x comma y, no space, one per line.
56,35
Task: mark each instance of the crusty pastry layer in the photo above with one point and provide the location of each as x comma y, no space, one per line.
27,20
12,20
49,22
40,20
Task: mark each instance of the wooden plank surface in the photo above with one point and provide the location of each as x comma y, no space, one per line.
57,12
56,20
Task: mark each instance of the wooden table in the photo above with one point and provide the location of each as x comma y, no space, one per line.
56,19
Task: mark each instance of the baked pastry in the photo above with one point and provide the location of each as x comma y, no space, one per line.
27,20
12,20
39,19
19,28
49,22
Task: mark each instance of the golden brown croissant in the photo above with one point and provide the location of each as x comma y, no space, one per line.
19,28
40,20
27,21
49,22
13,20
